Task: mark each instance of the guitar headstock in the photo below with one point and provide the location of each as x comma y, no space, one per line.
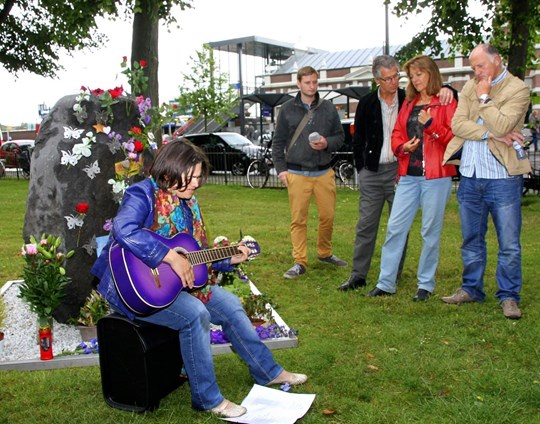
253,246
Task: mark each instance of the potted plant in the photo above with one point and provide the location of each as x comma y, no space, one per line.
94,308
44,283
256,308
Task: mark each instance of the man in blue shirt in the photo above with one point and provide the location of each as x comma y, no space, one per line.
487,127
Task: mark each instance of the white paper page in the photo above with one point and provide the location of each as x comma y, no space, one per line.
271,406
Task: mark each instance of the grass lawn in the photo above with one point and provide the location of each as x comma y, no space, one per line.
382,360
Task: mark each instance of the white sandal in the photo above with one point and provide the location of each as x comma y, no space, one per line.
228,409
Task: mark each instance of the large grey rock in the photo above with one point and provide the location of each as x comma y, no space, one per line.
56,189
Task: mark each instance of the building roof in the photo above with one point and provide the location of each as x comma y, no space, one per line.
262,47
343,59
333,60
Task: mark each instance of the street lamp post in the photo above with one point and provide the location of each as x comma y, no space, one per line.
387,37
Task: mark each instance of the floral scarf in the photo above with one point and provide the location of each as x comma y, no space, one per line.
173,215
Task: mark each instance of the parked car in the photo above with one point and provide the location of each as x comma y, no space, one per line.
14,153
227,151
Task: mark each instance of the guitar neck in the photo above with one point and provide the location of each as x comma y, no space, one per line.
211,255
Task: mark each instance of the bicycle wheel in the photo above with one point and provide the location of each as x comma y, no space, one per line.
347,173
257,173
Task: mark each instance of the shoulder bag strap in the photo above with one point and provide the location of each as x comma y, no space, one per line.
302,125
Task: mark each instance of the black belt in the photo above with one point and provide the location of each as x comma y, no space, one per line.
296,167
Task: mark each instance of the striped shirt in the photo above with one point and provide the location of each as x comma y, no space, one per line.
476,158
389,117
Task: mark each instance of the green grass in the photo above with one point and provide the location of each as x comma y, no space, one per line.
382,360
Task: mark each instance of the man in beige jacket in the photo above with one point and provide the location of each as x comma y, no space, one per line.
487,127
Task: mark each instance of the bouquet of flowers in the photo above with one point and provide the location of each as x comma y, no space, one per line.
44,275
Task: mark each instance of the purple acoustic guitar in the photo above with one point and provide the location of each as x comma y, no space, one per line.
145,290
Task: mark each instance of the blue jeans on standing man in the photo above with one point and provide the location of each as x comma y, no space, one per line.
501,198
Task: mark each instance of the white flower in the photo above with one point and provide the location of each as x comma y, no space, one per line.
117,186
83,95
220,239
83,149
90,138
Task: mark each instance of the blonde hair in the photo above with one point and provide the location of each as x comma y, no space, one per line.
427,64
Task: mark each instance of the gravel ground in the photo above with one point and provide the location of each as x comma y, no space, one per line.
20,339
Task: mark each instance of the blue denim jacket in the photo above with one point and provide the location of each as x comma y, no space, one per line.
135,213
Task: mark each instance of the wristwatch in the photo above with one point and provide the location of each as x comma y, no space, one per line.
484,98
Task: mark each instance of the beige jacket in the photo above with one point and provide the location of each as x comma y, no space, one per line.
503,114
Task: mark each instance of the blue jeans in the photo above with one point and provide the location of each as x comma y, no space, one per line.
192,318
415,193
501,198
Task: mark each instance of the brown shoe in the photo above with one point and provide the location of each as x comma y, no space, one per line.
511,309
459,297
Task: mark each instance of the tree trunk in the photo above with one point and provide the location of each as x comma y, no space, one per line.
519,39
144,45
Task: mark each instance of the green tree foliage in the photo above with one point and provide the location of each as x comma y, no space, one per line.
510,25
33,34
207,92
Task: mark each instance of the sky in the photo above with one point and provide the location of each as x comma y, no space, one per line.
352,24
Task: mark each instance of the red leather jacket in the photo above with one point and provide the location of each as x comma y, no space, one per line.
436,136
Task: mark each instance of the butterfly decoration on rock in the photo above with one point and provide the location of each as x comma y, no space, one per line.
91,245
74,133
69,158
73,221
92,170
102,117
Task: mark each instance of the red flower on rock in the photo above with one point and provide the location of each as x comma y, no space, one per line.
138,146
82,208
116,92
97,92
135,130
143,63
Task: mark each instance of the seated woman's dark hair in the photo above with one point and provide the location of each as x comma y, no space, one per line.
175,161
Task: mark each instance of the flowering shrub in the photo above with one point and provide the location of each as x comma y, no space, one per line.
138,139
44,275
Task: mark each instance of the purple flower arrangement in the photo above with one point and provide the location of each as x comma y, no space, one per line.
273,331
88,347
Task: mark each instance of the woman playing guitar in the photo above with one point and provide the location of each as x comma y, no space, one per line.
165,203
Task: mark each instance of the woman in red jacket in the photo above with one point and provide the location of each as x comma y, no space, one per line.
419,139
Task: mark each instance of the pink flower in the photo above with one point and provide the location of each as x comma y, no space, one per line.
31,249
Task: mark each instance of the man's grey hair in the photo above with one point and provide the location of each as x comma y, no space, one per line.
489,50
383,61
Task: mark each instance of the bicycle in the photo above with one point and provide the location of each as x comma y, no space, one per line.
345,171
259,169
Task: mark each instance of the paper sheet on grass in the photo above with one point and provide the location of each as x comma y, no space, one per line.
271,406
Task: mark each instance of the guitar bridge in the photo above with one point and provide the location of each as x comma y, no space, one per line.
155,274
